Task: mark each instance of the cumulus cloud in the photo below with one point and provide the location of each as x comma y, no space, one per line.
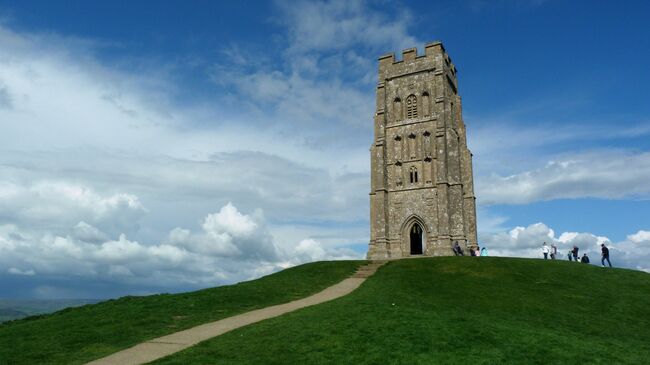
527,241
229,233
230,246
52,204
309,250
639,237
632,253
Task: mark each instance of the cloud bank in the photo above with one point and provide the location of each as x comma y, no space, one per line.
110,184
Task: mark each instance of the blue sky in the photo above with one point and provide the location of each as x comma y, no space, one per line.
167,146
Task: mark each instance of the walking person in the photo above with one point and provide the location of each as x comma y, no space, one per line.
553,251
605,255
545,251
570,255
484,251
584,259
575,253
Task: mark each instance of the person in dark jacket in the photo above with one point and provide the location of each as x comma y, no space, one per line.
457,250
575,253
605,255
584,259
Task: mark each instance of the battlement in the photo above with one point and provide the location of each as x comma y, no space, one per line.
435,56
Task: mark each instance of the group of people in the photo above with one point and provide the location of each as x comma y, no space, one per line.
458,251
572,255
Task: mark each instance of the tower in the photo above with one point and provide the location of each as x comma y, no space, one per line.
422,190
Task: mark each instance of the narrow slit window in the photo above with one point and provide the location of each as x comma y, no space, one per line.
413,174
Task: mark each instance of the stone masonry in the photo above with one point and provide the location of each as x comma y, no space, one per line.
422,190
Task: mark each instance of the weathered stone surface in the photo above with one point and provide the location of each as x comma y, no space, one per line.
421,168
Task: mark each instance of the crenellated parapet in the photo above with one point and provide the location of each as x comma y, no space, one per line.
435,59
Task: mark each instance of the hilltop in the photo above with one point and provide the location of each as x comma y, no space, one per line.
451,310
457,310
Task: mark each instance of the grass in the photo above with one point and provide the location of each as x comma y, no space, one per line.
78,335
457,311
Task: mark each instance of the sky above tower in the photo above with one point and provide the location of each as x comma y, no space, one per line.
165,146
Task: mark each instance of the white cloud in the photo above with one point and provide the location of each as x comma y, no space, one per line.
639,237
632,253
309,250
605,174
231,246
337,25
53,204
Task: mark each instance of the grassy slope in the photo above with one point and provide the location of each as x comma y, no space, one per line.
77,335
457,311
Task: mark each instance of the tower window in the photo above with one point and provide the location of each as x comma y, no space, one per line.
398,109
411,107
413,173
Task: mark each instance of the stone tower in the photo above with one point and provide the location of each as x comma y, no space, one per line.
422,190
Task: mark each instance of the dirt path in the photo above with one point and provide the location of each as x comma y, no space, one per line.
166,345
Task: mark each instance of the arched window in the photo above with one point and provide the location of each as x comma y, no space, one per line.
411,107
413,173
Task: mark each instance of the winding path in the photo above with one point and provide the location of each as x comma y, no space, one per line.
167,345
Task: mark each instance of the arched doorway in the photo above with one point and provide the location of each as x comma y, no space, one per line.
416,239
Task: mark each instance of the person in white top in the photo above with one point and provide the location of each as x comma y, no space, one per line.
553,251
545,251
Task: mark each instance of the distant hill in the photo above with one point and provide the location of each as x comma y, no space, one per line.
11,309
447,310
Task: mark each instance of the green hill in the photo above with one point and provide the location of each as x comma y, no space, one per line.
445,310
452,310
78,335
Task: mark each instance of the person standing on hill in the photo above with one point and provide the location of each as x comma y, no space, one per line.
575,253
484,251
605,255
553,251
545,251
584,259
570,255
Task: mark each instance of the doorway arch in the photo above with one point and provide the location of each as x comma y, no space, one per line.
415,236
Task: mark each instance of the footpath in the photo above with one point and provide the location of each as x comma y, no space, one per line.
169,344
